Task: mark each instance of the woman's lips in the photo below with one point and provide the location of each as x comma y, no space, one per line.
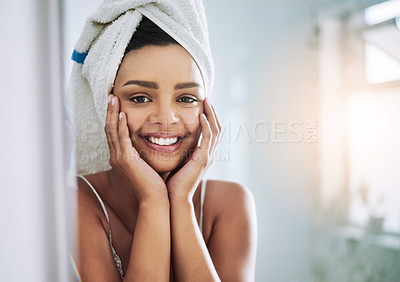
163,148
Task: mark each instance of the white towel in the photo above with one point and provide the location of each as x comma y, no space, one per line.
99,52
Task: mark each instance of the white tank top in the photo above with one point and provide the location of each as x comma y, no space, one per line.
117,260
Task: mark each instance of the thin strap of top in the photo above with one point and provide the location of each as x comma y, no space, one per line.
117,260
98,197
202,195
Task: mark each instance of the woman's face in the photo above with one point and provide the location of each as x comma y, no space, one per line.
160,90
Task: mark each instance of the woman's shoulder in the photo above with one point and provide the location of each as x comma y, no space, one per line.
91,184
84,189
231,228
226,196
221,188
89,206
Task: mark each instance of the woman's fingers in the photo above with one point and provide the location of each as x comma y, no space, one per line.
106,127
218,124
214,123
123,135
111,127
202,152
128,151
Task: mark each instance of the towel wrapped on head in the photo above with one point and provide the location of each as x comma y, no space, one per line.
99,52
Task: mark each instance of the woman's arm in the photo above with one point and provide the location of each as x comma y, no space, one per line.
190,257
150,251
233,241
232,246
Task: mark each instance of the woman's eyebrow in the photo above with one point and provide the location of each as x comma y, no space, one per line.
154,85
143,83
186,85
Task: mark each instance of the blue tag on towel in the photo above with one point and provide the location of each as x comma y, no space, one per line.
79,57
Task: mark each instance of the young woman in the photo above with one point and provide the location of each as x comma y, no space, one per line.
151,217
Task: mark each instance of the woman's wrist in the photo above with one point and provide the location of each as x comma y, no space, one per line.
158,198
181,200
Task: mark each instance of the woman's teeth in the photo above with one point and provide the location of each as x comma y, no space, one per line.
163,141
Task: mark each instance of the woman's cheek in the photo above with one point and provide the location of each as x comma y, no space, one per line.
192,121
134,129
134,122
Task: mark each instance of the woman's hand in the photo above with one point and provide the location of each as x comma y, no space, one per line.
182,182
126,161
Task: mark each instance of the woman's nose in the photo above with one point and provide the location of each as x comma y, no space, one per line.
164,114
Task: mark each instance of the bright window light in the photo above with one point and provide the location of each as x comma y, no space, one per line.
382,12
379,66
374,139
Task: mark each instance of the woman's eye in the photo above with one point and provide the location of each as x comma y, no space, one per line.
139,99
187,100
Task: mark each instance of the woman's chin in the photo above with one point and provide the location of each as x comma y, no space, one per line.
164,166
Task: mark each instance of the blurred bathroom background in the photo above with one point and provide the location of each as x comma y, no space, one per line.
308,93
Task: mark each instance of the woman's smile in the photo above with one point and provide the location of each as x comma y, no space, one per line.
164,145
165,142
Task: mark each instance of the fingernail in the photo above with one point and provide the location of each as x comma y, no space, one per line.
109,98
120,115
113,100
